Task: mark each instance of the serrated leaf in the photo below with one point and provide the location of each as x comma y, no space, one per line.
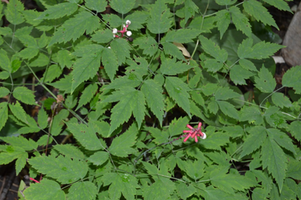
274,159
194,169
21,142
113,19
178,91
21,161
28,53
263,50
240,21
225,2
69,151
74,27
154,98
216,140
280,4
292,78
160,189
213,107
87,95
19,112
63,169
51,190
239,75
121,48
259,12
85,68
58,11
122,145
265,82
110,62
11,153
177,126
225,93
251,114
128,103
102,36
248,65
294,169
97,5
160,18
3,114
64,83
4,75
137,18
54,71
223,19
295,128
4,91
124,184
148,44
58,122
281,100
171,67
82,191
25,95
13,13
213,65
182,35
125,81
228,109
99,157
173,50
85,135
185,191
189,9
5,62
122,6
64,58
282,139
212,49
254,140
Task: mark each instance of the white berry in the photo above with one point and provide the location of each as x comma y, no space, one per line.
129,33
114,30
128,22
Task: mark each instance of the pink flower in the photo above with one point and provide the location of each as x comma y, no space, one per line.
194,133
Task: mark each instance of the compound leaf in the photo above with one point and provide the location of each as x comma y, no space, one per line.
240,21
178,91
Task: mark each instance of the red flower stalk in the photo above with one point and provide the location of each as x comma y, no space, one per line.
194,133
32,179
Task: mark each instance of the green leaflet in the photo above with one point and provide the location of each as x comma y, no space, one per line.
14,152
182,35
292,78
171,67
148,44
160,18
259,12
63,169
254,140
4,91
83,190
99,157
120,183
177,126
102,36
214,50
70,151
295,128
189,9
5,62
173,50
130,101
154,98
137,18
122,145
87,95
13,12
74,27
240,21
25,95
21,142
85,135
121,48
239,75
97,5
3,114
122,6
280,4
274,159
59,10
160,189
281,100
58,123
228,109
265,82
223,18
51,190
110,62
177,90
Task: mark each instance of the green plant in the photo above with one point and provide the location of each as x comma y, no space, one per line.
126,101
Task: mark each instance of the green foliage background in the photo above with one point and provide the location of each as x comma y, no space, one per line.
126,102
